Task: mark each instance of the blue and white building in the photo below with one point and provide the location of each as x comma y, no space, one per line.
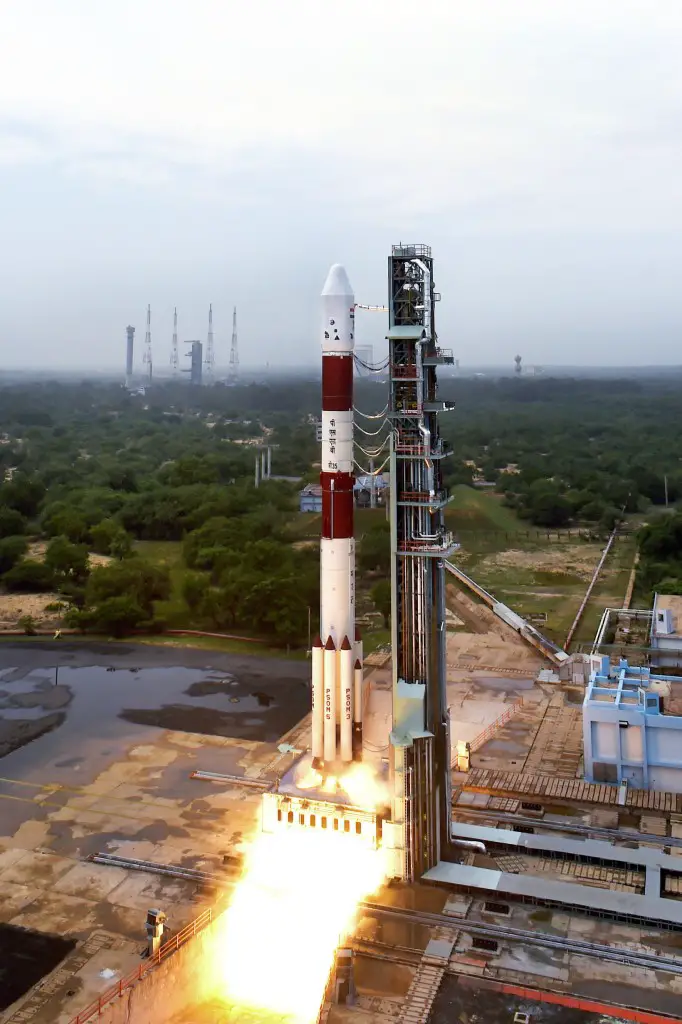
632,727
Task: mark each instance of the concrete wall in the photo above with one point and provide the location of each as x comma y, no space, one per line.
648,753
172,987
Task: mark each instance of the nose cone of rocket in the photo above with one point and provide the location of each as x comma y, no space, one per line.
337,283
338,314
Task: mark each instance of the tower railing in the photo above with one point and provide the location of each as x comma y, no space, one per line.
116,990
410,251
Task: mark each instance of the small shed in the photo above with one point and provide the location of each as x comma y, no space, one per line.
363,489
310,498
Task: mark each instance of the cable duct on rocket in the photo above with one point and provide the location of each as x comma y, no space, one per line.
372,472
369,415
372,367
374,451
371,433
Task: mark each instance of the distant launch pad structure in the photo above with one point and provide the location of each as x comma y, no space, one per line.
174,359
130,345
147,355
194,369
209,362
233,371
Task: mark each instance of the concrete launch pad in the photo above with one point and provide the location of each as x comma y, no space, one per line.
89,766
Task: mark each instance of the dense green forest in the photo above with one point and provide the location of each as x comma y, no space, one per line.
87,467
570,450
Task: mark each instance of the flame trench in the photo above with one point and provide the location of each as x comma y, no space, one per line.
275,944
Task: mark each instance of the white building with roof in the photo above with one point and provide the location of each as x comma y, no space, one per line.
666,629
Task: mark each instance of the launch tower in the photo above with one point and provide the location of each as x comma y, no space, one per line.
130,344
194,370
233,372
419,741
174,360
147,357
210,354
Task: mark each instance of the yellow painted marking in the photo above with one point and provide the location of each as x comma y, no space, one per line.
37,802
55,787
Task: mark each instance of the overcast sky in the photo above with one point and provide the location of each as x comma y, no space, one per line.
181,152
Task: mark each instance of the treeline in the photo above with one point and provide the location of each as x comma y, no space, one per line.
569,451
89,468
660,556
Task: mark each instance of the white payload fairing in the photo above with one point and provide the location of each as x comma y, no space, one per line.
337,652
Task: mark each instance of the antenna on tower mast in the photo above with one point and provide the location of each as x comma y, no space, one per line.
209,361
147,357
174,347
233,372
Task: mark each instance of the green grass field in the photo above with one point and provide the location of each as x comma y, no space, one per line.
167,554
536,571
471,509
214,643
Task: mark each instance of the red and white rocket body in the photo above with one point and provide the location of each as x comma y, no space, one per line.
337,654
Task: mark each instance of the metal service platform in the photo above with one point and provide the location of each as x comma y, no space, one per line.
650,908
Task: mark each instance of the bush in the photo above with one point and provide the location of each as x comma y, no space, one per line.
115,616
11,550
67,561
374,552
109,538
28,577
12,523
381,595
194,587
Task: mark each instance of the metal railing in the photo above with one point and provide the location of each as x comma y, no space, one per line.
490,731
116,990
413,545
322,1013
422,497
590,588
440,353
410,449
399,372
407,250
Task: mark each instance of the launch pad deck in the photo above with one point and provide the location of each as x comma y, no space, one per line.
122,787
303,806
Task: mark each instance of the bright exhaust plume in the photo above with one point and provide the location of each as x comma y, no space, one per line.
298,896
360,784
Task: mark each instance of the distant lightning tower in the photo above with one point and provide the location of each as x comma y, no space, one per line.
233,372
209,361
175,364
147,357
517,365
130,343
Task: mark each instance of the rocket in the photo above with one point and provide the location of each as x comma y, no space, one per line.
337,652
